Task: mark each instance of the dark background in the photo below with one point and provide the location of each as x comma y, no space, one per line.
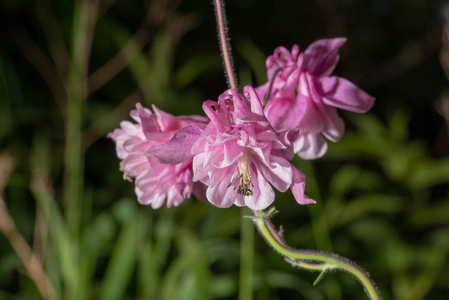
70,71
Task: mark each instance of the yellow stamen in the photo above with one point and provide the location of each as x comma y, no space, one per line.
125,176
245,185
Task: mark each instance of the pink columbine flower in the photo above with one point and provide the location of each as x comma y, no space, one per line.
239,156
304,95
155,181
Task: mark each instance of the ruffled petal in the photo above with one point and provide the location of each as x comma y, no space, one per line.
231,152
251,95
148,120
167,122
174,198
216,115
278,173
199,171
171,139
263,194
135,164
219,193
136,144
149,197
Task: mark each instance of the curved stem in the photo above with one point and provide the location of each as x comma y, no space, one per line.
225,47
270,86
312,260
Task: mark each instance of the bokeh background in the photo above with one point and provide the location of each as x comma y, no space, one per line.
70,71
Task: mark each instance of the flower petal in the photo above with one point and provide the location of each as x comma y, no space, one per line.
342,93
155,199
262,90
167,122
310,145
321,57
283,113
298,187
219,193
174,198
334,126
251,95
199,191
199,171
135,164
278,173
178,149
263,194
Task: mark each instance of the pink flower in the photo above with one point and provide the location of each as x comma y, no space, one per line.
155,181
239,156
304,95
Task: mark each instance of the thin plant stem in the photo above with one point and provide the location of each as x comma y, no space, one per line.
43,66
73,179
32,264
55,38
74,158
118,62
247,260
270,86
225,47
312,260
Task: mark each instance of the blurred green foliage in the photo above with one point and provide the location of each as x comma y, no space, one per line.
70,71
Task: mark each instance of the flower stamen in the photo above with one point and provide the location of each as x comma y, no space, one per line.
126,177
245,185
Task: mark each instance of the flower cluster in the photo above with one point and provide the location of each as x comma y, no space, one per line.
301,93
244,146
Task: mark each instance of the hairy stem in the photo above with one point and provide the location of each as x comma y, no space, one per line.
225,47
312,260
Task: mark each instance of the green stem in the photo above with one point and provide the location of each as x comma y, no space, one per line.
312,260
246,260
73,147
319,225
82,29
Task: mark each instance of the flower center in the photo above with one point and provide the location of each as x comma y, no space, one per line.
245,184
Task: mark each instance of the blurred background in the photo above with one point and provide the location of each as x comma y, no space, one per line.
70,71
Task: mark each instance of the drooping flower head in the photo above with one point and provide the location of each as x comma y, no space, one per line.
303,95
156,182
239,155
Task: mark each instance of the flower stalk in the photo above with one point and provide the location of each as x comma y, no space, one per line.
225,47
306,259
311,260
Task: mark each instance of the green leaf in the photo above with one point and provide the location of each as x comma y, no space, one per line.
367,204
195,66
122,262
254,57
